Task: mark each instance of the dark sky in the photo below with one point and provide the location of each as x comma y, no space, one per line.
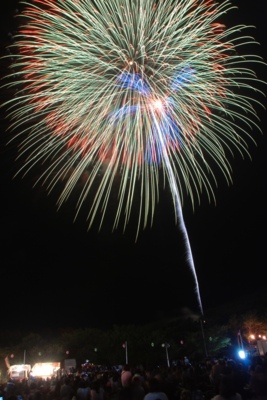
54,273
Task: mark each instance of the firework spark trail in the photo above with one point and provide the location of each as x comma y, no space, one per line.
161,131
131,94
180,217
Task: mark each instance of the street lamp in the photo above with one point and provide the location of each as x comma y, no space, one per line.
203,336
166,345
125,346
240,340
96,350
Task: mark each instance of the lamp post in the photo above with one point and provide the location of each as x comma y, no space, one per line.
203,336
166,345
240,340
125,346
126,352
96,357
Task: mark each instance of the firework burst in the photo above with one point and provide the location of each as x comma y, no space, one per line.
129,94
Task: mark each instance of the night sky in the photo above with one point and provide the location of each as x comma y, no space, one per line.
54,273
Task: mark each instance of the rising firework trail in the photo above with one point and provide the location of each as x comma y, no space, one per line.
121,97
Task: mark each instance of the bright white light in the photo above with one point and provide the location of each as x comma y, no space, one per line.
157,104
44,370
242,354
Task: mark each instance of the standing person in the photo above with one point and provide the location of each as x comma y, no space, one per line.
66,390
217,370
137,388
227,389
10,389
83,390
97,391
258,383
126,376
155,391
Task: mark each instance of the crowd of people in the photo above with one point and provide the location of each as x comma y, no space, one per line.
221,379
